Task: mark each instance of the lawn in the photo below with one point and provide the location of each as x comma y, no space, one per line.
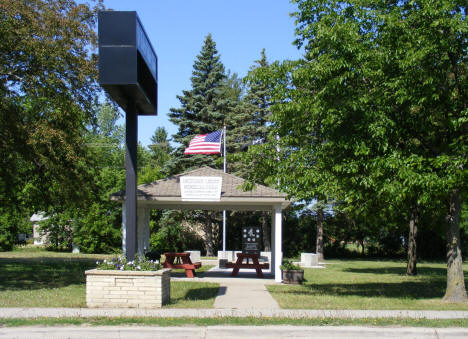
38,278
367,284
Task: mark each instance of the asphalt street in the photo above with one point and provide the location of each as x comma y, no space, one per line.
225,332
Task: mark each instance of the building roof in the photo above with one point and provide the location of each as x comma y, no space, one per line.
165,193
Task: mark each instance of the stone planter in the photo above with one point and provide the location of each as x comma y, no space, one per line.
135,289
292,276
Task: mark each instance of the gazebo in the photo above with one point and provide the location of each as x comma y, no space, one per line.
166,194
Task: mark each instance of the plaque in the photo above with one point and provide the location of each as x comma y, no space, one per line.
194,188
251,238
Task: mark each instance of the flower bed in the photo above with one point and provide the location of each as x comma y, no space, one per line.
139,283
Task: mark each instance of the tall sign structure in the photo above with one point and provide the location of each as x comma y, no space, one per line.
128,72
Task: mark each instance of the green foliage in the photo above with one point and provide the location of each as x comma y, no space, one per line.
121,263
8,230
168,234
47,91
58,228
288,265
374,115
204,108
97,228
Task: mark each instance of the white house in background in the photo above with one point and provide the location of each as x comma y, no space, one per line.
40,237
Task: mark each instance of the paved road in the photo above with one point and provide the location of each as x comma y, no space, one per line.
225,332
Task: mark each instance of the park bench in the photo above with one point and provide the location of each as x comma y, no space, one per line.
181,261
240,264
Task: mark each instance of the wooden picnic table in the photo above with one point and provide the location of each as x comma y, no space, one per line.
181,260
239,264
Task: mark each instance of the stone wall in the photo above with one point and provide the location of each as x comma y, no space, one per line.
138,289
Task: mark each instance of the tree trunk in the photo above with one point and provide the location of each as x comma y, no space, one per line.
266,232
208,235
319,242
413,232
455,291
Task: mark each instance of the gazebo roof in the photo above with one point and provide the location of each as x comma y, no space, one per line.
165,193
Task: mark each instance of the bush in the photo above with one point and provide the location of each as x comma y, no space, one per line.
9,222
287,265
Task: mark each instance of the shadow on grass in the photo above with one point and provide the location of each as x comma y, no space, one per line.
422,271
397,290
194,294
32,274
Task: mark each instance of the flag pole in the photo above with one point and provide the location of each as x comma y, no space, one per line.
224,211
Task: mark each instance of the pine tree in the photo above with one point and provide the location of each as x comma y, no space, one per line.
203,108
254,126
258,100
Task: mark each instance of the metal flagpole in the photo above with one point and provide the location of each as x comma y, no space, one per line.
224,211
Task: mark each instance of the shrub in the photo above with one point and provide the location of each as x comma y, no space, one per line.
287,265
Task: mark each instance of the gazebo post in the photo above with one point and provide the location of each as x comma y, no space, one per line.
277,252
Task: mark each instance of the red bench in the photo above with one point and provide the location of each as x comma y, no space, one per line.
239,264
182,261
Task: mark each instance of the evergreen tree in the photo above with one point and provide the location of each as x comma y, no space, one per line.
258,100
203,108
160,147
253,126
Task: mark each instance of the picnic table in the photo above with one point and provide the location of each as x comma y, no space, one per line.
181,260
240,264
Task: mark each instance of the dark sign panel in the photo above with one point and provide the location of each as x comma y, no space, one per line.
128,65
251,240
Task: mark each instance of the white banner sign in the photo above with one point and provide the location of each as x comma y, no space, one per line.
200,188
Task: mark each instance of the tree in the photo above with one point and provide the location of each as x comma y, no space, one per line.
254,127
160,148
97,226
47,91
204,109
376,110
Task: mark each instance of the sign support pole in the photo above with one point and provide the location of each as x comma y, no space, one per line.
224,211
131,140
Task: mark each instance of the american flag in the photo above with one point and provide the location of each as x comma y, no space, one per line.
205,144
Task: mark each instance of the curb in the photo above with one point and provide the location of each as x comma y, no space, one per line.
11,313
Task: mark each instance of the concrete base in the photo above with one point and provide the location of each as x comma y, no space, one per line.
195,256
232,256
140,289
309,260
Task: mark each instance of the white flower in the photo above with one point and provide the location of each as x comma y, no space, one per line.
97,262
138,267
105,261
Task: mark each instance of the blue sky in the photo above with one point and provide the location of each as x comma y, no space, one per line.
177,29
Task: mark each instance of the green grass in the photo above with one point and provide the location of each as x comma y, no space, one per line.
38,278
187,294
143,321
367,284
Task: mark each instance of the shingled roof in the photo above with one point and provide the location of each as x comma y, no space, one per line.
167,192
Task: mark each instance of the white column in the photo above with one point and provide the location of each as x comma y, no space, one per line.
124,230
142,230
278,242
272,242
